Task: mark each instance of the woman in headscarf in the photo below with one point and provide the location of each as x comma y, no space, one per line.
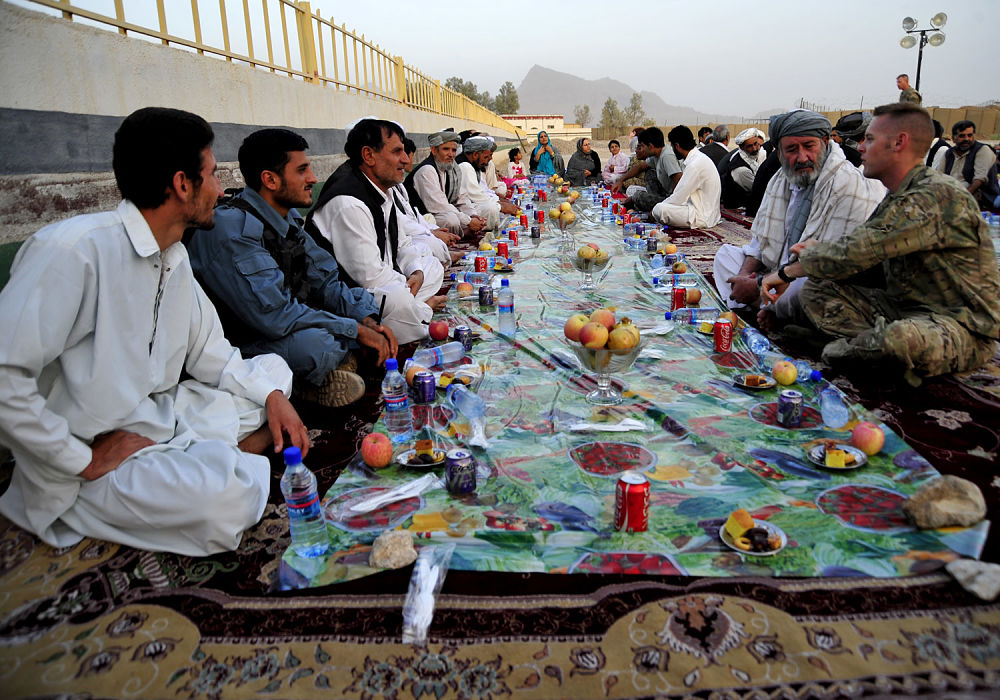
584,166
544,156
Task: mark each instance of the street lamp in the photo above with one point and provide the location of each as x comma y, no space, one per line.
935,39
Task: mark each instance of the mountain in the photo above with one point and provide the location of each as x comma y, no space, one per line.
545,91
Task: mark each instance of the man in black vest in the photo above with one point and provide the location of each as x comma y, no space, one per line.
738,169
274,288
356,214
971,162
719,147
435,186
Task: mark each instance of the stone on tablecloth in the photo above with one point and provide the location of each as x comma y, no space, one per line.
392,550
977,577
947,501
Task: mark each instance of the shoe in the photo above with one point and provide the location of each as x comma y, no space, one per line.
339,388
349,363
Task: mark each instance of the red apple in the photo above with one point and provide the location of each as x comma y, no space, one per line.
594,335
573,325
784,372
868,438
606,317
693,296
679,267
438,330
376,450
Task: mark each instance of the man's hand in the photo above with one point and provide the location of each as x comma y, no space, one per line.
379,330
802,245
109,450
586,173
437,303
476,224
745,289
508,208
772,286
415,281
616,187
283,420
447,236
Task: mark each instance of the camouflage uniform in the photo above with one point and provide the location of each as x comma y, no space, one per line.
940,309
910,95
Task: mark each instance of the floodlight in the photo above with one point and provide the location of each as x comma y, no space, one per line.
907,42
939,20
909,23
936,39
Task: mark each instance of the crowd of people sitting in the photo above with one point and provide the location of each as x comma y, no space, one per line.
149,352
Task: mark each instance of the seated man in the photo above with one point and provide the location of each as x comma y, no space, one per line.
275,289
695,201
848,131
661,171
704,137
971,162
102,318
477,152
719,147
420,226
357,215
817,195
435,187
494,182
738,169
939,311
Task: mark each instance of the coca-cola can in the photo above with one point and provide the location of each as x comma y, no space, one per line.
615,208
604,203
486,295
512,235
723,335
459,472
545,195
424,385
540,216
632,503
790,408
678,298
503,250
480,263
524,220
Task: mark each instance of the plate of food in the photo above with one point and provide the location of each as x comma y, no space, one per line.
706,328
411,459
831,454
757,382
748,535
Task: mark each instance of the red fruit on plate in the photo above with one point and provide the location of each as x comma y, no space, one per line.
376,450
438,330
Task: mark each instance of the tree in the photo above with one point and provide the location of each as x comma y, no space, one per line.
634,114
469,89
507,101
582,114
611,115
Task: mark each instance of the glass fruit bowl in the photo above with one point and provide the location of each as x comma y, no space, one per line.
588,266
606,362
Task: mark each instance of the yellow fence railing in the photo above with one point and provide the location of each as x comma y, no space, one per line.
283,36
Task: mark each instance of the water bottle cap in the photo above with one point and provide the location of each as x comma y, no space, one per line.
505,282
452,388
453,276
391,365
815,375
293,456
668,316
656,280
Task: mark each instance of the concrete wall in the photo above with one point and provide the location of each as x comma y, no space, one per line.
65,87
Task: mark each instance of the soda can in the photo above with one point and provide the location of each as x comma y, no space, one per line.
544,194
503,250
524,219
604,203
486,295
651,243
790,408
459,472
678,298
512,235
614,208
540,216
480,263
632,503
423,386
723,335
536,231
640,229
463,334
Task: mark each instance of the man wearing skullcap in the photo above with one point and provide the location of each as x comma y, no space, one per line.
938,308
817,195
435,186
477,152
738,169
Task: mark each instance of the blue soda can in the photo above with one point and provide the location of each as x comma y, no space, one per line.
486,295
463,334
423,386
790,408
459,472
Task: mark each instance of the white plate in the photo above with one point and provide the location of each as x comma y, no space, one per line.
404,460
739,380
817,455
773,529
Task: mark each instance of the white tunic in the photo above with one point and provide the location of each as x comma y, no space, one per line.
485,201
695,199
430,185
98,328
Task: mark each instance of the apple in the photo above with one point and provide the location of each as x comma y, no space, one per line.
485,246
868,438
567,217
376,450
623,337
438,330
731,315
602,255
565,206
693,296
784,372
586,253
554,212
606,317
679,267
574,194
594,246
573,325
594,335
669,248
411,372
464,289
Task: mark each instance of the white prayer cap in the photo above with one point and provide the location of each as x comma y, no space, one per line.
748,134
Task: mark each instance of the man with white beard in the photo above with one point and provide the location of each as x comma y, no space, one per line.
477,152
817,194
739,168
435,186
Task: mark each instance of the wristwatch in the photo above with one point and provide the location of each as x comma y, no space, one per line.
784,277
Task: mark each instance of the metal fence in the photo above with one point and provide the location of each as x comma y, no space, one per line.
281,36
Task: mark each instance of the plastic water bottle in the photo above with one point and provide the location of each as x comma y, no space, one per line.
305,515
756,341
835,413
506,323
477,278
684,280
805,372
441,355
468,403
691,315
397,417
661,287
656,261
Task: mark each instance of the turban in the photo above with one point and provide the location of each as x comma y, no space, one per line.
799,122
476,143
747,134
442,137
353,123
854,125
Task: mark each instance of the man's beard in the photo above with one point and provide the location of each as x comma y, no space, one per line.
963,147
802,177
447,167
285,198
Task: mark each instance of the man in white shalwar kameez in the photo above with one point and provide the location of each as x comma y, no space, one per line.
435,186
101,318
477,152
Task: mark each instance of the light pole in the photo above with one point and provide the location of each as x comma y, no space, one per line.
935,39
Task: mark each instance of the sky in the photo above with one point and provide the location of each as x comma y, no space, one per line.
735,57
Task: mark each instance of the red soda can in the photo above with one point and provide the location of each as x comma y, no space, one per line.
678,298
540,216
614,208
524,220
502,250
512,235
632,503
635,218
480,263
545,195
723,335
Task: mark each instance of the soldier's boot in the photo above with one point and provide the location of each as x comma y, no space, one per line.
339,388
867,352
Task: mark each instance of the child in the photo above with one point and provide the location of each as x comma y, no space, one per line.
515,171
617,164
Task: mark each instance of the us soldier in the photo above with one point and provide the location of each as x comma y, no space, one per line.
939,311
